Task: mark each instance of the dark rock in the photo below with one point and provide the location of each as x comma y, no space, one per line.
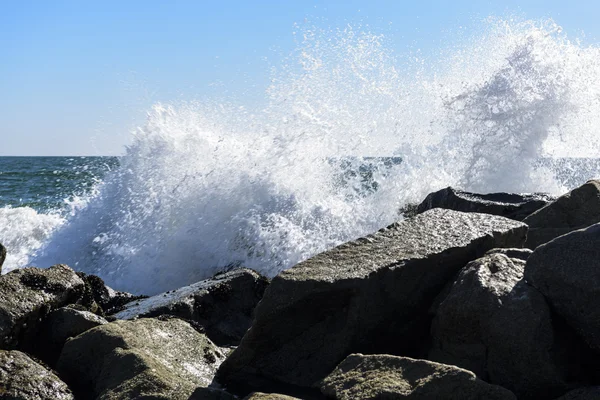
370,295
223,305
27,295
361,377
268,396
132,359
577,209
23,378
497,326
509,205
2,256
587,393
206,393
101,299
59,326
566,271
519,254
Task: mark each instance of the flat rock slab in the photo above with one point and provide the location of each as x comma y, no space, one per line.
27,295
494,324
509,205
23,378
362,294
223,305
362,377
566,271
146,357
577,209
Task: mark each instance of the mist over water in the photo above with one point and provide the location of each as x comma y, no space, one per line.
205,187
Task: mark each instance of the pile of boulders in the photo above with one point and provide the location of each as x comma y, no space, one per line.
472,296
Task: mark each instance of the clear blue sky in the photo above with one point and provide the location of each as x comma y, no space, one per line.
77,76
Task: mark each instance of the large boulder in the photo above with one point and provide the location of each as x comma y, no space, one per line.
27,295
587,393
2,256
369,295
566,271
223,305
102,299
497,326
577,209
366,377
165,359
23,378
509,205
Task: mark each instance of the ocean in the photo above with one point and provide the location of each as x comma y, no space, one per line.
350,133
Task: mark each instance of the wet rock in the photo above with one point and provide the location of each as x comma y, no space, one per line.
519,254
101,299
222,305
509,205
566,271
389,377
2,256
60,325
27,295
497,326
587,393
268,396
577,209
206,393
370,295
23,378
131,359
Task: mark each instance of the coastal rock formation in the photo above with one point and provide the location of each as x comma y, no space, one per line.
577,209
519,254
365,377
371,295
147,357
509,205
2,256
23,378
222,305
587,393
497,326
566,271
27,295
102,299
269,396
208,393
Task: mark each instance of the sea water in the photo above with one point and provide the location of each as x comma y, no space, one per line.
350,133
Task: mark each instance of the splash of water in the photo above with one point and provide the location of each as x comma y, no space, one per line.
207,187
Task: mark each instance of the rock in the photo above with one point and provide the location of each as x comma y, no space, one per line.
519,254
389,377
268,396
59,326
27,295
102,299
207,393
2,256
577,209
223,305
566,271
23,378
371,295
497,326
588,393
509,205
146,357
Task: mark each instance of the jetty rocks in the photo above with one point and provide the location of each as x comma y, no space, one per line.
470,296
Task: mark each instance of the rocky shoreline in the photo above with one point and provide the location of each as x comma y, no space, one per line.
472,296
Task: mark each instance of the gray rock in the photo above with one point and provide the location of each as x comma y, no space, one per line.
27,295
222,305
59,326
587,393
566,271
23,378
519,254
372,295
101,299
497,326
268,396
362,377
509,205
165,359
2,256
577,209
207,393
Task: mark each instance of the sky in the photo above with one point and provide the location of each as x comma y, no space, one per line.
76,77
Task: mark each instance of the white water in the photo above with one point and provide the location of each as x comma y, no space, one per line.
204,187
